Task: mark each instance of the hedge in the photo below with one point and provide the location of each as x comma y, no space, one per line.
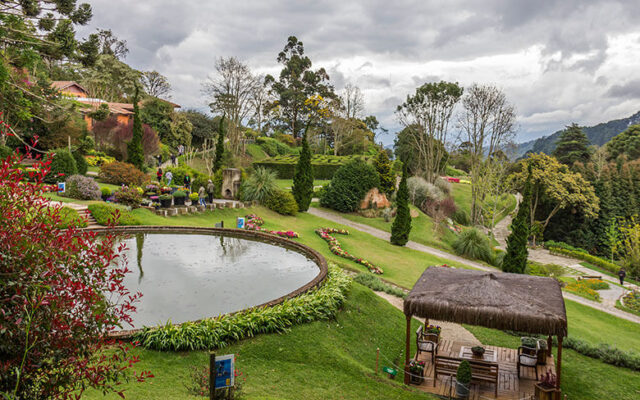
580,255
562,245
104,212
324,166
318,304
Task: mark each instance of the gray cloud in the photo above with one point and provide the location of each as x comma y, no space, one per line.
390,48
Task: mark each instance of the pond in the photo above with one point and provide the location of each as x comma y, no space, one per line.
185,277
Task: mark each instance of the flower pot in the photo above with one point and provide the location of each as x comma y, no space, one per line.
462,390
416,380
546,393
179,201
165,203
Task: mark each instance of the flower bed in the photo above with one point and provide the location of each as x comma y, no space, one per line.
253,223
632,300
334,246
583,289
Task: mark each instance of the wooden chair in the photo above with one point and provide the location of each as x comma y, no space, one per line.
528,357
426,343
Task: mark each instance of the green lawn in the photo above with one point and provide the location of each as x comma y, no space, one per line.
461,193
321,360
584,377
288,183
401,265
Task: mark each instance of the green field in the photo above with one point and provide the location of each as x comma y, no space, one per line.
321,360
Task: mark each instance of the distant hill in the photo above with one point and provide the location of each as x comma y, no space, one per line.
597,134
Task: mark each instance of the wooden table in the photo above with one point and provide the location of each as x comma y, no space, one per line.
489,355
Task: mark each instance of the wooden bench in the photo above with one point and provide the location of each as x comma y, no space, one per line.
590,277
481,371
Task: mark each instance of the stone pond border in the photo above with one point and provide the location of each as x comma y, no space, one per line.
320,261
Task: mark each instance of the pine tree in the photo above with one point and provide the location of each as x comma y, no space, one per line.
217,164
402,224
303,178
383,166
135,154
572,146
516,258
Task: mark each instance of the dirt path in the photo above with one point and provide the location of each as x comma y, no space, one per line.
451,331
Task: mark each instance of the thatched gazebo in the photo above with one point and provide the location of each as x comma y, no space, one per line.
497,300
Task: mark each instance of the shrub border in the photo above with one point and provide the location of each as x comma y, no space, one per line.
268,238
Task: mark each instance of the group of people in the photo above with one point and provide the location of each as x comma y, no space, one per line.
174,158
203,193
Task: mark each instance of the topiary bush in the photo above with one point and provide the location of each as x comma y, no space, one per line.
81,162
120,173
129,196
282,202
463,374
349,186
473,244
82,188
104,214
259,186
62,165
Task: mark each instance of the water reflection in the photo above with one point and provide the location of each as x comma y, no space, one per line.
187,277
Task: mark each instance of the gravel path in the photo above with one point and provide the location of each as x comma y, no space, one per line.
609,297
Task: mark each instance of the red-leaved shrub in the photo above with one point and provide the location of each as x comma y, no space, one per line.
120,173
61,294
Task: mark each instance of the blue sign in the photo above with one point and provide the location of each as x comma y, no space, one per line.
240,223
225,371
61,187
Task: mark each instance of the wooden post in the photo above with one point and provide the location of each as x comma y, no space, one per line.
407,349
559,362
212,375
426,322
549,346
377,358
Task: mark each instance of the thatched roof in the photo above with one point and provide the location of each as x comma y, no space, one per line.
497,300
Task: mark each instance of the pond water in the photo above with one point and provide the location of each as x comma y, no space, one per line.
185,277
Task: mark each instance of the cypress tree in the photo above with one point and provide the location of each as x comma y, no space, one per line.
303,178
217,164
383,166
402,223
572,146
516,258
135,154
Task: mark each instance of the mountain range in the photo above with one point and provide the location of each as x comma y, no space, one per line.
598,134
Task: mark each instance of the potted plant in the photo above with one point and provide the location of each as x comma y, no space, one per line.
179,197
477,351
542,352
531,344
194,198
546,388
165,200
433,330
463,380
106,193
416,369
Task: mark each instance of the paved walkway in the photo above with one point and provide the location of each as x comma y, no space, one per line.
540,255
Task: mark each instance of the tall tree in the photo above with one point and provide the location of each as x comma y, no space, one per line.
487,123
352,101
383,166
135,154
297,83
231,91
303,178
259,100
572,146
109,44
217,164
515,260
155,84
627,143
110,79
554,188
401,226
426,115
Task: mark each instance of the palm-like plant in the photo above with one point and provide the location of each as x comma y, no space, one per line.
260,185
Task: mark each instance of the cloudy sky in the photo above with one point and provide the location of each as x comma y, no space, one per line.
558,61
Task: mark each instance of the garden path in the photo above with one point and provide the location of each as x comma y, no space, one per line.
540,255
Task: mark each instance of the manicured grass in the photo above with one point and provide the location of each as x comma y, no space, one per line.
55,197
401,265
256,153
321,360
584,377
288,183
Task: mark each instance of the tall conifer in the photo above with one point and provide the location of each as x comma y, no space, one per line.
516,258
135,154
383,166
217,163
402,224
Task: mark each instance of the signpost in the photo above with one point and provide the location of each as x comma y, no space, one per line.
221,373
392,372
240,223
61,187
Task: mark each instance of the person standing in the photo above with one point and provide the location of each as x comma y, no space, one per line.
622,274
159,174
174,160
159,157
211,188
168,176
202,195
187,181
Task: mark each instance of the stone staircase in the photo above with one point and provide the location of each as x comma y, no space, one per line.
83,211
